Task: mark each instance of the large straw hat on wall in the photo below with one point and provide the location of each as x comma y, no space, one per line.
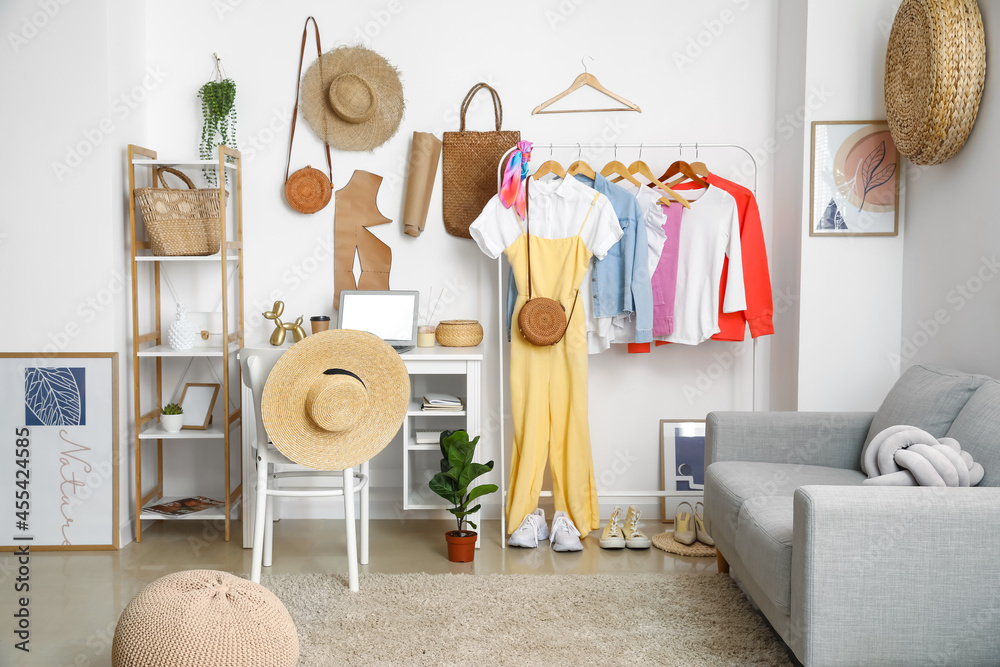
335,399
352,98
935,68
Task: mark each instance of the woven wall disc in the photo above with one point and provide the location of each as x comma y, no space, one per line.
935,68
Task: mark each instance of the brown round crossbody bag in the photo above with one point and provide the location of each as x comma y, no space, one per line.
542,321
307,190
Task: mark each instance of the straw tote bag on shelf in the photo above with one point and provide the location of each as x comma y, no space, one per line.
181,222
470,159
307,190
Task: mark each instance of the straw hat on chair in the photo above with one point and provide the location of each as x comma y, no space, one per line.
336,399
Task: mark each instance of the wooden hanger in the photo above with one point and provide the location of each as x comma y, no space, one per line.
616,168
684,169
699,167
581,167
549,167
585,79
641,168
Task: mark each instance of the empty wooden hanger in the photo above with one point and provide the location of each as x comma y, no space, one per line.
585,79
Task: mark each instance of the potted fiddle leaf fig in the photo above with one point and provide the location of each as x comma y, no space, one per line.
453,483
172,417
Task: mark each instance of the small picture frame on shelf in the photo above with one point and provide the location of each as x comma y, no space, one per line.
854,179
682,458
198,401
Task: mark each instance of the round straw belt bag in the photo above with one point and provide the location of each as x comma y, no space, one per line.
542,321
307,190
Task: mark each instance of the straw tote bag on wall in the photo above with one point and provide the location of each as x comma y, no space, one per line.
307,190
470,160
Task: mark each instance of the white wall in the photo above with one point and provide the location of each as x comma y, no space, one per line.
851,288
706,74
76,75
951,292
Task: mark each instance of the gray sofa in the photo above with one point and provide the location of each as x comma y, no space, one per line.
863,575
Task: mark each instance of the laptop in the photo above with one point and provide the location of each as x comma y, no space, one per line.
391,315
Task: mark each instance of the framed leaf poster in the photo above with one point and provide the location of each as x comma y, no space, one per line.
855,176
59,451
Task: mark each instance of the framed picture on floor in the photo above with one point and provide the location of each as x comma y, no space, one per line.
854,183
59,429
682,460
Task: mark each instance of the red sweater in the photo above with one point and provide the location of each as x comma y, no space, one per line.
756,278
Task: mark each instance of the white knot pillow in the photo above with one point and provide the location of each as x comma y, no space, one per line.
908,456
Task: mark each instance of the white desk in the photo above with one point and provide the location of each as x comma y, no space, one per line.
454,370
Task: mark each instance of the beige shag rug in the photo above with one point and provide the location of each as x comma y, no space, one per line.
518,619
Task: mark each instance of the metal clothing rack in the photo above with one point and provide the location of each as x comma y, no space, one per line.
502,329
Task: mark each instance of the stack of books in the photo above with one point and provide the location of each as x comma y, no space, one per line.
441,403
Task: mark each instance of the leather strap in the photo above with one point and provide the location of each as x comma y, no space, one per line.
527,229
497,106
298,83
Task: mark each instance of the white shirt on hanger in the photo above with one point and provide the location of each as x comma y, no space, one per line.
556,209
710,231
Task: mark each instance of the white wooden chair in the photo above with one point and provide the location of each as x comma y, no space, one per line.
256,365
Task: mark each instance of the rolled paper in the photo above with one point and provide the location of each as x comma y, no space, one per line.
425,151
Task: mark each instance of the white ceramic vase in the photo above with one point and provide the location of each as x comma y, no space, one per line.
172,423
180,335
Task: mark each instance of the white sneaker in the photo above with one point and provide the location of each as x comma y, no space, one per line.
531,530
565,536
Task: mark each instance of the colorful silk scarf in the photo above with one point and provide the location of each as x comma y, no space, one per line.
512,190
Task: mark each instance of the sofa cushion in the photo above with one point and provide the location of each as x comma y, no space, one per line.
728,484
928,397
764,543
977,430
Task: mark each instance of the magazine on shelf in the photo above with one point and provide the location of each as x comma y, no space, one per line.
442,400
184,506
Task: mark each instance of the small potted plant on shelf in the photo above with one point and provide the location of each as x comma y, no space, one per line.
172,418
458,470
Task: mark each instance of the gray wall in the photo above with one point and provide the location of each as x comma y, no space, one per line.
951,269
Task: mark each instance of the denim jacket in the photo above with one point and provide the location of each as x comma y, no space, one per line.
621,282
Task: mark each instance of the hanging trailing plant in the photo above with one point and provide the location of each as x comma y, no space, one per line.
218,110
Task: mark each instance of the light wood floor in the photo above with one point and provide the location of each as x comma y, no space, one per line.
75,598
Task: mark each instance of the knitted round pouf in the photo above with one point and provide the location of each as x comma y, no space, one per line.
205,618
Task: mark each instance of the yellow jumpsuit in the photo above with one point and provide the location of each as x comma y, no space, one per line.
548,388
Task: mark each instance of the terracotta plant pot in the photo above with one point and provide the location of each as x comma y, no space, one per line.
461,546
